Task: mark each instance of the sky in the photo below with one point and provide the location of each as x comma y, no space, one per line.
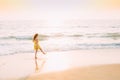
59,10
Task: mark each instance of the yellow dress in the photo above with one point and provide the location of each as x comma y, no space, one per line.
36,45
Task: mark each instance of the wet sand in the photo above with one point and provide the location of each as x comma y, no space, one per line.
100,64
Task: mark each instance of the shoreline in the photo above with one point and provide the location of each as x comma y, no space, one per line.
24,66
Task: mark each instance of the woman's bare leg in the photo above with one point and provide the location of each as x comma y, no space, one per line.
42,50
35,54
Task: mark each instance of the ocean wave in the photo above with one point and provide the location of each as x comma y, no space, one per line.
42,37
28,48
45,37
17,37
99,46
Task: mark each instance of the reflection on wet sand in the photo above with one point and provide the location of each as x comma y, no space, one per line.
38,67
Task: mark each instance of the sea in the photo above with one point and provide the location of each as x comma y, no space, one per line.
16,36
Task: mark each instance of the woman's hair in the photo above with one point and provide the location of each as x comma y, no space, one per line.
35,36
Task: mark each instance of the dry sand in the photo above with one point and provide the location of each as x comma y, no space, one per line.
102,72
100,64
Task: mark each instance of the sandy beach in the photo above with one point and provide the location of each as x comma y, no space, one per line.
81,39
99,64
101,72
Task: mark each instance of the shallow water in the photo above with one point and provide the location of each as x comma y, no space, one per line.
16,36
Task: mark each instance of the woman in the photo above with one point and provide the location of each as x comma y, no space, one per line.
36,45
